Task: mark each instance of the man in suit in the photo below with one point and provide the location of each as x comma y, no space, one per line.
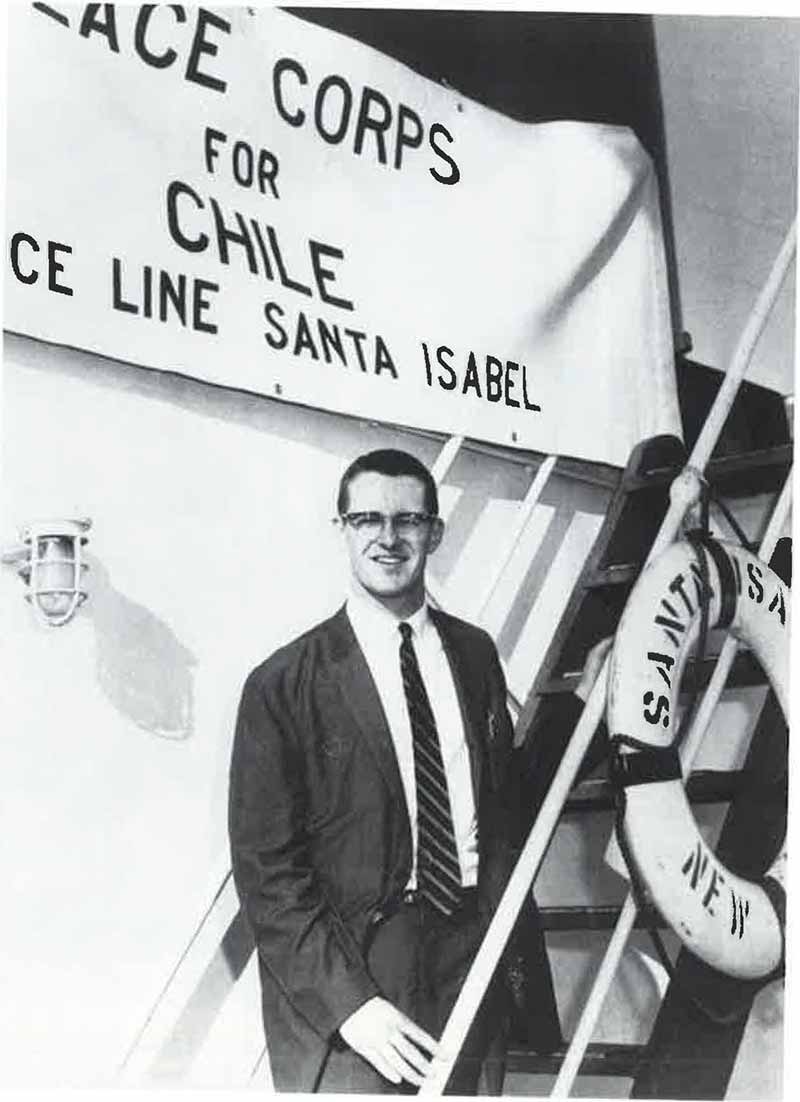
374,815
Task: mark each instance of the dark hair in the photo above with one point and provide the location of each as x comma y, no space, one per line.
391,462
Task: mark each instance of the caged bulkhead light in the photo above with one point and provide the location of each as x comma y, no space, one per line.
50,561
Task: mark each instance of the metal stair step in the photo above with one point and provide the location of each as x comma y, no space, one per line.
745,672
704,786
768,467
599,1059
623,573
583,918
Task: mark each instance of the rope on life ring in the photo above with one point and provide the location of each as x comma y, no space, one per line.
734,924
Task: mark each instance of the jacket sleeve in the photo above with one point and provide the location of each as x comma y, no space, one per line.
299,935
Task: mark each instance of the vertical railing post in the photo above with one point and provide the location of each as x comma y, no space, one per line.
523,515
445,459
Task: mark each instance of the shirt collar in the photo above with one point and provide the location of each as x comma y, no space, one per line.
369,618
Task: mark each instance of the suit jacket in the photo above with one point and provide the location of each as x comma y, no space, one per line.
320,835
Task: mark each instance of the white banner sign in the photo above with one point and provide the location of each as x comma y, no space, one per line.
248,199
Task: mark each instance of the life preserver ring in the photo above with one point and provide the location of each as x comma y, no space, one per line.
732,923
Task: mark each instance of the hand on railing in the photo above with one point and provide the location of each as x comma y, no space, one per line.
391,1042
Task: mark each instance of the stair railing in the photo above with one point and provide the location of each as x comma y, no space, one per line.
697,730
684,495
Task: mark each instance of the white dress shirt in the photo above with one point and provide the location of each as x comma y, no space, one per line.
378,634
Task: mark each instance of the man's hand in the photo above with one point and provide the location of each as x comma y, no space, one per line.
390,1041
594,663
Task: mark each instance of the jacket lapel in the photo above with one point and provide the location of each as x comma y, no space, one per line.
359,697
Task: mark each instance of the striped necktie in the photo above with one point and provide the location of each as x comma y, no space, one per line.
438,870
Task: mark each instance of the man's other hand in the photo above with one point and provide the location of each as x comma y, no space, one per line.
594,663
390,1041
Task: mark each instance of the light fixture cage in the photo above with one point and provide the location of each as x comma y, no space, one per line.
54,568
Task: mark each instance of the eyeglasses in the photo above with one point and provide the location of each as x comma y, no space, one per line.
372,524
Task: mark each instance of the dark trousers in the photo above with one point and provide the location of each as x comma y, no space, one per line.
419,960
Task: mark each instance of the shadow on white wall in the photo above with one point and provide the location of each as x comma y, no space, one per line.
142,667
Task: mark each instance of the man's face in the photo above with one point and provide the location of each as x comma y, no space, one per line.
390,563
